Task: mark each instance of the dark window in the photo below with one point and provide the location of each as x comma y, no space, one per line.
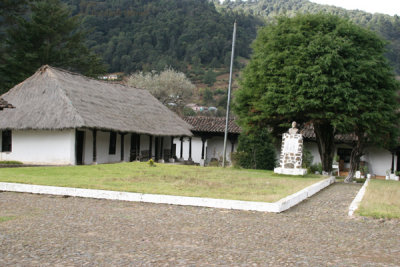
6,141
344,154
113,143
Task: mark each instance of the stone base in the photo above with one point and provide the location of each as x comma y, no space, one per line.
202,163
161,161
171,160
290,171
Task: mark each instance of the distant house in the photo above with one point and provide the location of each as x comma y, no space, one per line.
207,142
4,104
66,118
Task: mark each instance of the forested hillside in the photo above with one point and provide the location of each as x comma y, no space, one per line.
134,35
387,26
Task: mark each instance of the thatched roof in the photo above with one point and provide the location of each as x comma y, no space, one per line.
212,124
57,99
4,104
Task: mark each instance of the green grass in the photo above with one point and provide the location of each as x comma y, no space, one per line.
214,182
381,200
10,162
6,218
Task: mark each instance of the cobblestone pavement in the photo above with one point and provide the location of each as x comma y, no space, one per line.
59,231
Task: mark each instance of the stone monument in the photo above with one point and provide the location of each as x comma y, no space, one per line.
291,153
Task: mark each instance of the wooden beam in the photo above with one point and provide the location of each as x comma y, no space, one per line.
190,149
181,157
150,147
122,146
94,133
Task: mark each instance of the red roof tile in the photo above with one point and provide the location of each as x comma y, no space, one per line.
212,124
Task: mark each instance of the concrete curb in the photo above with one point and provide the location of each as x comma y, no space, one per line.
357,200
278,206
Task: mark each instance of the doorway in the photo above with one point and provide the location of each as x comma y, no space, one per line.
79,142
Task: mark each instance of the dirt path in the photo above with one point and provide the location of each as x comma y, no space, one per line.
50,231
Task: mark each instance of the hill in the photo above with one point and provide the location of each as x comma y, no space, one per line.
134,35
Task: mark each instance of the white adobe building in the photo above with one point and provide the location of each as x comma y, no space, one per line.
378,160
63,118
207,142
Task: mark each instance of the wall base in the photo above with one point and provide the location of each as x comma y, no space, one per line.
290,171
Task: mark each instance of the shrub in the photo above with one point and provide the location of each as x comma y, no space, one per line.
316,168
255,151
308,159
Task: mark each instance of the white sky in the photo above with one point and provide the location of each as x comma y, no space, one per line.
390,7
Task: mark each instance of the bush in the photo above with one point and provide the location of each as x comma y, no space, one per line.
255,151
308,159
316,168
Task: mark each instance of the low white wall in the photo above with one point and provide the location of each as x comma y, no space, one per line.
42,147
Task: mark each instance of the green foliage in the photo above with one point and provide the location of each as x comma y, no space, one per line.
10,162
316,168
188,112
207,96
47,34
255,151
319,69
169,86
143,35
308,158
384,25
151,163
210,77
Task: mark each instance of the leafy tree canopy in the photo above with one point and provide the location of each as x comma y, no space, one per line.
386,26
171,87
47,34
320,69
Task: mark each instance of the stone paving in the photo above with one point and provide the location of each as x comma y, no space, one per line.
59,231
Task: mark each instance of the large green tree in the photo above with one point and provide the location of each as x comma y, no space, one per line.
47,34
320,69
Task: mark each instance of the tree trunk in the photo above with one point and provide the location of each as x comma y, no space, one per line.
324,133
355,157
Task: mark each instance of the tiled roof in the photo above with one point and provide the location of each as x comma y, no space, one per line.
308,132
4,104
212,124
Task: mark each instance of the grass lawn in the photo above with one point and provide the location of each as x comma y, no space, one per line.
213,182
381,200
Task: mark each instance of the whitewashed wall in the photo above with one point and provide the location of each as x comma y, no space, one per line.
42,147
213,148
378,160
196,148
103,142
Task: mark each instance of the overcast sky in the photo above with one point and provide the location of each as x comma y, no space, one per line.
390,7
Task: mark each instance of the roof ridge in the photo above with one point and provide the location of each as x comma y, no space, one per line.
45,67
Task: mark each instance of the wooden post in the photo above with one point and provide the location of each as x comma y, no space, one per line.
94,132
181,158
171,155
392,168
190,149
162,148
203,142
122,146
150,147
157,152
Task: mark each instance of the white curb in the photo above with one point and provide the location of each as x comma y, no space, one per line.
357,200
278,206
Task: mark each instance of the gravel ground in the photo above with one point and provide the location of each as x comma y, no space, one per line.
59,231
